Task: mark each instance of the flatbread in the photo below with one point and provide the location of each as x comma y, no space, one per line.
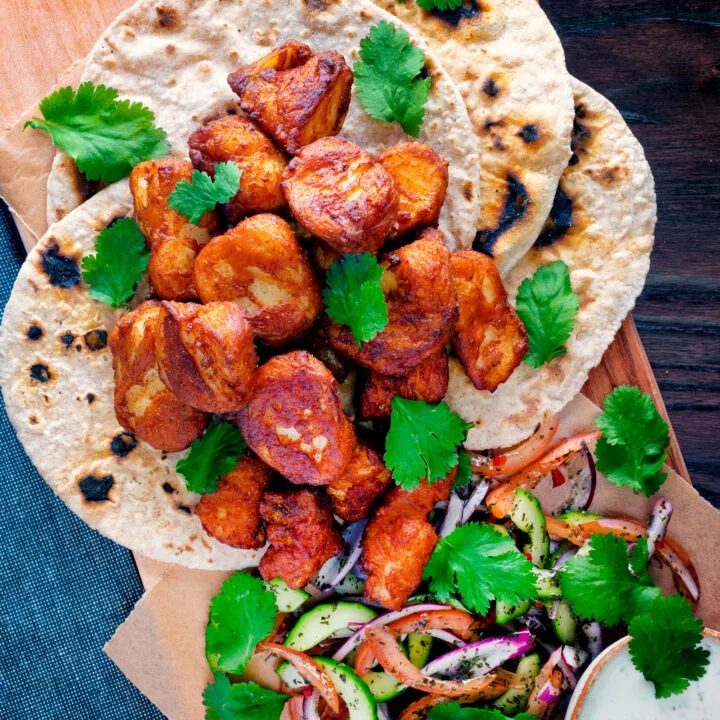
601,225
175,57
57,381
509,65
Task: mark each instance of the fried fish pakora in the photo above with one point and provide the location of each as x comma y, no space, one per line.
489,338
427,381
294,421
206,354
295,96
365,479
421,307
236,139
173,240
143,404
399,540
302,535
421,179
341,195
232,513
260,265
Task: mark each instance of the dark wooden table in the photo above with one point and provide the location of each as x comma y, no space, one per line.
659,62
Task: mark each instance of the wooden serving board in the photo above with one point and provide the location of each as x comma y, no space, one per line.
41,38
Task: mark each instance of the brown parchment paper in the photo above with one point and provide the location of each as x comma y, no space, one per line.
161,646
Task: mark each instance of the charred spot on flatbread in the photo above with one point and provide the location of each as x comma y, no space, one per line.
40,372
559,221
34,332
515,207
581,133
123,444
67,339
528,133
318,5
456,15
185,509
61,270
168,488
90,398
96,489
609,175
95,340
491,88
168,18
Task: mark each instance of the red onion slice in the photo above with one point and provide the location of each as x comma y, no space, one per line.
481,657
475,501
358,638
548,694
564,557
310,706
682,572
446,636
382,712
453,515
658,524
583,481
594,633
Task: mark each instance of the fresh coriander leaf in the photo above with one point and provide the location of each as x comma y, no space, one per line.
665,645
547,306
481,564
387,78
121,256
193,198
241,701
439,4
242,614
210,457
353,296
464,474
106,137
422,441
454,711
601,585
634,442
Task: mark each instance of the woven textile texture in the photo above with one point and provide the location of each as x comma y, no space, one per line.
63,588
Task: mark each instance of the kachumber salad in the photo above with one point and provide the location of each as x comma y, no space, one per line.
325,361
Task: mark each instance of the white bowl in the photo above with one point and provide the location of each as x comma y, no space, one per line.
612,689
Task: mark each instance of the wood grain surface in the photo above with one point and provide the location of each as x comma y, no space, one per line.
659,61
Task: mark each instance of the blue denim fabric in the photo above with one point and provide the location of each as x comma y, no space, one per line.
63,588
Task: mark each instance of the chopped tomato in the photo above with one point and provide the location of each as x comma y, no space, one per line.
557,477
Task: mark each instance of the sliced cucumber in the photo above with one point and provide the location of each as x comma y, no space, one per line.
505,613
291,677
578,518
324,621
565,623
528,516
512,702
287,599
547,585
419,647
355,693
351,585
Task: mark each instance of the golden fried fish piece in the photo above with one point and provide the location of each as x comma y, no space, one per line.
232,513
236,139
421,307
260,265
427,381
365,479
341,195
206,354
294,421
302,535
421,179
295,96
143,404
399,540
173,240
489,338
